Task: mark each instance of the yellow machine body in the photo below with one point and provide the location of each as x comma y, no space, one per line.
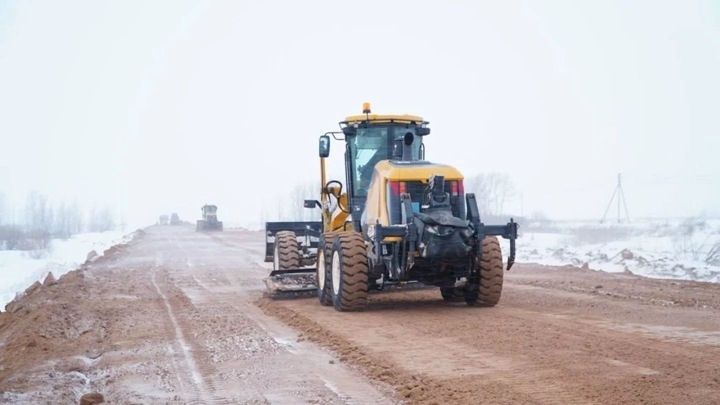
376,208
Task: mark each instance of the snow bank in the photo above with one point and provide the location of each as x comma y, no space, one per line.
685,249
18,270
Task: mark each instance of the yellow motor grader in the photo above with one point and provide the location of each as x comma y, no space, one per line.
209,221
396,219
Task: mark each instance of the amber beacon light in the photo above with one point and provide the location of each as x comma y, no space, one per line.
366,108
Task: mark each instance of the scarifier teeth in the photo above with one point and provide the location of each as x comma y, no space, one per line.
289,286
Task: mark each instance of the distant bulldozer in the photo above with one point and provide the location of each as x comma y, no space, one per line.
164,220
209,221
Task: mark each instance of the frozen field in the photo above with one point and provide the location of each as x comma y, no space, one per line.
687,249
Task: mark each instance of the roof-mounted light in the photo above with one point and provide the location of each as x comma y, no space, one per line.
366,108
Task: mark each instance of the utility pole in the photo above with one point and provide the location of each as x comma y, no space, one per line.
621,196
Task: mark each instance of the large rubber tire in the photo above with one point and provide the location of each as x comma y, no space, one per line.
286,253
349,271
485,288
452,294
322,266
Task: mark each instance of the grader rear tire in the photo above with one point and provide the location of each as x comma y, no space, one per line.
486,287
349,272
322,265
286,252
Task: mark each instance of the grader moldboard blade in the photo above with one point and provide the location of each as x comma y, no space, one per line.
292,283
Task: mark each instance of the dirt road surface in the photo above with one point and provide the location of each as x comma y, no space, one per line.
179,317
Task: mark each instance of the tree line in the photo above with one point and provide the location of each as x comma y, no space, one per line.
39,220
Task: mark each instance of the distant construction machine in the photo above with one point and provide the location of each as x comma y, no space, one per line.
401,219
164,220
209,221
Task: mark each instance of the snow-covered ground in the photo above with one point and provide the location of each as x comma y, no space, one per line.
19,270
686,249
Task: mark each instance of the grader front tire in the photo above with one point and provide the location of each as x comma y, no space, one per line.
322,265
349,265
486,287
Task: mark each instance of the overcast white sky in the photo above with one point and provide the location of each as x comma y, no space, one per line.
161,106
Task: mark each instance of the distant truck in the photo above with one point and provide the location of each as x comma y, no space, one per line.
174,219
164,220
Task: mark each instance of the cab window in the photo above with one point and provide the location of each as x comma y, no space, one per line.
368,147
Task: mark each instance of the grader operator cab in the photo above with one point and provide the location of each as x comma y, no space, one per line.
210,221
400,219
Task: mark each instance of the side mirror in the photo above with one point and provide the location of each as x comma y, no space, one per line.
324,146
312,204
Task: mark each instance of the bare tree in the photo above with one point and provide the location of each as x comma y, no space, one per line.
281,210
10,237
264,215
74,219
301,192
492,190
38,213
60,227
291,208
101,220
68,221
38,225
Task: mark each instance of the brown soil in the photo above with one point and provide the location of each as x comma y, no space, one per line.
178,316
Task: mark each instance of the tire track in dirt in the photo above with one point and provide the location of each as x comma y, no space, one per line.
308,361
219,280
620,330
534,352
425,369
198,388
618,355
446,359
200,320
